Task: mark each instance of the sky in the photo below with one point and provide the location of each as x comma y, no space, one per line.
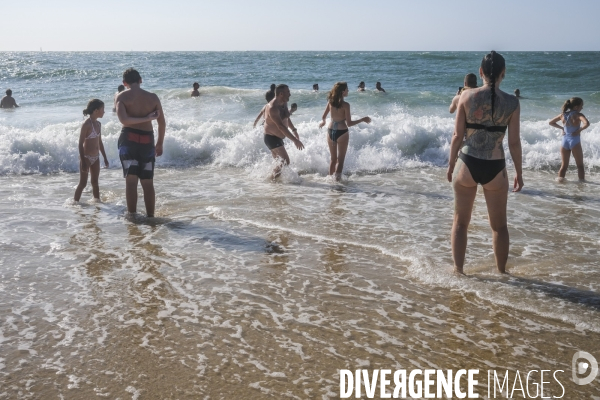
349,25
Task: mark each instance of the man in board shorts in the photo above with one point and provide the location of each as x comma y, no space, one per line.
277,121
136,108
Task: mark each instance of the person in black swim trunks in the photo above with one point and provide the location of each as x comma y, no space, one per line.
277,122
484,113
337,134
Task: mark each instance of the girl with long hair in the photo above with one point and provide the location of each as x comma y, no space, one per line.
484,114
337,133
571,118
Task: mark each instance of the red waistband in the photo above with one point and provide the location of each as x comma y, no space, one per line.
142,139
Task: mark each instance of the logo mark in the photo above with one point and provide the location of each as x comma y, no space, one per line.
581,367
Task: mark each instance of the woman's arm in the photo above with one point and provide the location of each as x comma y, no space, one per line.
553,122
514,145
585,122
101,146
460,126
127,120
349,121
262,112
324,121
85,131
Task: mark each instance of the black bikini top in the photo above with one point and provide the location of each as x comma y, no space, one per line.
496,128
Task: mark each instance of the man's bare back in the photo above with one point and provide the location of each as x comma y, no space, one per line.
138,103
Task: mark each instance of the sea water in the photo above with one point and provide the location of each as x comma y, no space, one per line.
244,288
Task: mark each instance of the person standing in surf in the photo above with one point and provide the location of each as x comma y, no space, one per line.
90,147
337,133
571,118
470,82
277,121
484,113
136,108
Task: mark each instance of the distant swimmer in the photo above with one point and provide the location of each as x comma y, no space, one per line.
517,93
337,133
136,108
120,88
277,127
195,91
484,113
470,82
571,118
361,86
270,95
293,108
90,147
8,101
379,88
316,87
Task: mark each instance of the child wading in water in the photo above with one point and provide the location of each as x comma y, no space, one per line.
571,119
90,147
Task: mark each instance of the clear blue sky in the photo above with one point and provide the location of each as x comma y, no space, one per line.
300,25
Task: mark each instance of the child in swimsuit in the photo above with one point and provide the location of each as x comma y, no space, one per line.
571,118
337,134
90,147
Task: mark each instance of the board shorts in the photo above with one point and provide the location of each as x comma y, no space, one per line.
137,152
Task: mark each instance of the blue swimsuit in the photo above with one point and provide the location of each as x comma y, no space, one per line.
569,140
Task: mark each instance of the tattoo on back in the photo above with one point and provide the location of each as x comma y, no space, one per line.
480,143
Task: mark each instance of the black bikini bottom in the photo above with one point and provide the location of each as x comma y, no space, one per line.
273,142
482,171
334,135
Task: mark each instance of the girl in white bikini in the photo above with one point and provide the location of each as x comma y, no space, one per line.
90,147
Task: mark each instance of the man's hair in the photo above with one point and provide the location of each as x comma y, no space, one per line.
280,89
131,76
8,92
120,88
471,80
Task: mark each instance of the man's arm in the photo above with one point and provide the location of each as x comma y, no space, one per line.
454,104
162,127
126,120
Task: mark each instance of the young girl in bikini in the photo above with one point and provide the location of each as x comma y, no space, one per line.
90,147
571,118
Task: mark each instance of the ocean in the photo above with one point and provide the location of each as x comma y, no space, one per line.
244,288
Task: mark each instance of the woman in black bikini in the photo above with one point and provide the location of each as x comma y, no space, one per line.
337,134
484,114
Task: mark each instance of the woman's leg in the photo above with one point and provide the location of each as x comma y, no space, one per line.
83,177
578,156
564,155
334,156
342,148
465,190
95,173
496,196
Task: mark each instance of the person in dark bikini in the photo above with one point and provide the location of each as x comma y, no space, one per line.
484,113
277,127
337,134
